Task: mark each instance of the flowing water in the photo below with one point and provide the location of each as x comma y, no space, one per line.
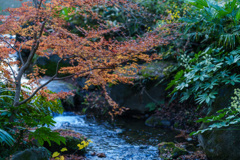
127,139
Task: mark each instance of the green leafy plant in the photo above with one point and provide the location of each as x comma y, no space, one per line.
151,106
35,115
202,74
214,23
6,138
224,117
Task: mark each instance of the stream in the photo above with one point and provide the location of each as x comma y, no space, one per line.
124,140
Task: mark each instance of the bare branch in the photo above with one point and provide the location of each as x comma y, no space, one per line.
54,78
8,44
61,78
20,55
40,4
40,87
41,31
18,51
10,68
35,3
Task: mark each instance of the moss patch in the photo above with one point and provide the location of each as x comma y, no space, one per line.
168,150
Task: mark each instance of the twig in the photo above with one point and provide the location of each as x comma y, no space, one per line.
20,55
43,85
10,68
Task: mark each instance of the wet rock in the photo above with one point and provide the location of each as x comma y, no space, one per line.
32,154
119,131
170,151
81,82
189,139
156,121
190,147
143,147
101,155
58,85
51,63
225,143
71,102
136,97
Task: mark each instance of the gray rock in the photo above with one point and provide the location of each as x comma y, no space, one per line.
156,121
168,150
225,143
81,82
58,85
42,61
32,154
51,63
146,88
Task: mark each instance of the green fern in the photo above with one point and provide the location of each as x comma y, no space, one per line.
6,138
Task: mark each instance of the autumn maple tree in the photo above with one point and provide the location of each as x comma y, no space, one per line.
99,59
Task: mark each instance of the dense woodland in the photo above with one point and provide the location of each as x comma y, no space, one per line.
189,49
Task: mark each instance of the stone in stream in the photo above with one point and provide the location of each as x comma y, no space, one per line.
170,151
101,155
157,121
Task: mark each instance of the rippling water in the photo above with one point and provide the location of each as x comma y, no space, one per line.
122,141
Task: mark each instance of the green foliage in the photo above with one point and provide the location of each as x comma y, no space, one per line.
6,138
203,73
35,114
46,134
225,117
151,106
159,7
213,23
210,58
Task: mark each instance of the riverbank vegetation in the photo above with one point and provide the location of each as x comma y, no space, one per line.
110,43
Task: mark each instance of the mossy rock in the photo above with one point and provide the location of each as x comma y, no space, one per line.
51,64
224,143
156,121
168,150
72,140
32,154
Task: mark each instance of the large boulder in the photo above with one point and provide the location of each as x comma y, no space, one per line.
71,101
32,154
221,144
146,89
51,63
157,121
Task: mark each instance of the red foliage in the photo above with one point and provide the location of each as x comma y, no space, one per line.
102,61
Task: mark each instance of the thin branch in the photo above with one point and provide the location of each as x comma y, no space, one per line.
150,96
9,44
54,78
20,55
40,4
66,77
79,73
43,85
10,68
18,51
41,31
35,3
